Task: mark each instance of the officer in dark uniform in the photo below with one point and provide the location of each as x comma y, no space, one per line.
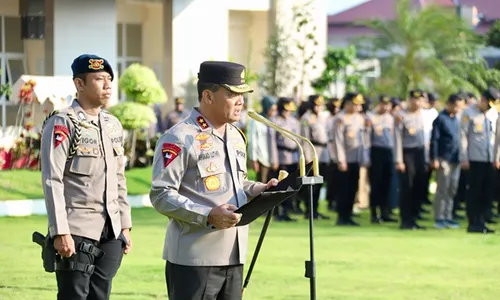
349,140
84,186
477,156
411,159
381,171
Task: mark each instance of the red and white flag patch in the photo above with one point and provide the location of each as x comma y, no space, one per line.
170,152
61,133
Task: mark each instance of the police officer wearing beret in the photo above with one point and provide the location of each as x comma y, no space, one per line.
84,186
177,115
477,156
199,179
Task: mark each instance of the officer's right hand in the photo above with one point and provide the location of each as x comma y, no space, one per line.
400,167
435,164
223,217
497,164
465,165
342,167
64,245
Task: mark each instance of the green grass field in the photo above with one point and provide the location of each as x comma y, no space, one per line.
367,263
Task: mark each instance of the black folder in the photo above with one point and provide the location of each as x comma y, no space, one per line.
271,197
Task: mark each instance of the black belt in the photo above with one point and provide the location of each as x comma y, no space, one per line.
287,149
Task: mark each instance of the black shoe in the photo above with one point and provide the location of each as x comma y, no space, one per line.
405,226
458,217
419,227
424,211
344,222
322,217
426,202
352,223
479,229
388,219
490,221
376,220
287,218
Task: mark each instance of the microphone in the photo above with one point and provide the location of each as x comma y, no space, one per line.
288,134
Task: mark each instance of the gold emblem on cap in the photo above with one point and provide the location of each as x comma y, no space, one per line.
96,64
242,76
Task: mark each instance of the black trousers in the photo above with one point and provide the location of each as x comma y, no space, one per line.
412,184
380,173
463,188
203,283
332,184
349,182
481,177
96,285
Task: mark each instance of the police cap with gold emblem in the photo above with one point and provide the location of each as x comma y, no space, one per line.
316,100
90,63
417,93
228,74
384,99
492,95
355,98
179,100
287,104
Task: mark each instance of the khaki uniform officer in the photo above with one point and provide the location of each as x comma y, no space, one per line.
177,115
477,156
349,140
84,186
313,127
410,157
381,171
199,179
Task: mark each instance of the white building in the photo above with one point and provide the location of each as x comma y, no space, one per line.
171,36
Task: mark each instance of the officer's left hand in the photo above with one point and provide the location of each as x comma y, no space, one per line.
128,246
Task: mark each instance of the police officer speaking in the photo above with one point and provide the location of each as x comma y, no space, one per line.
199,180
85,192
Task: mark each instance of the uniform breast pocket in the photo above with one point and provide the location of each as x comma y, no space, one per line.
213,177
83,162
242,169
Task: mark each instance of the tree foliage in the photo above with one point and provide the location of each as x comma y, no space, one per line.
279,64
140,85
133,115
431,48
493,35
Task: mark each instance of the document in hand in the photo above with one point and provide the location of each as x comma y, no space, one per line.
271,197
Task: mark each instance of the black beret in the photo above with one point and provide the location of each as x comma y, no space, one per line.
228,74
90,63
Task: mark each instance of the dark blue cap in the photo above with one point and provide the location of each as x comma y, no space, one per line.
89,63
228,74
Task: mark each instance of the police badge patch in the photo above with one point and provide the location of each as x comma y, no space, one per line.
60,134
170,152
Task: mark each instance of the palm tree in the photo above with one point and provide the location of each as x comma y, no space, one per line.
429,48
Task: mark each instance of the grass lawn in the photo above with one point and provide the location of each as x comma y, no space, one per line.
26,184
367,263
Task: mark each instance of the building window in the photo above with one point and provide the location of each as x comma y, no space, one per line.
129,42
12,59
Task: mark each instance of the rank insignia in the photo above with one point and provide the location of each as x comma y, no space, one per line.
60,134
212,167
205,146
212,183
96,64
170,152
84,150
201,122
202,136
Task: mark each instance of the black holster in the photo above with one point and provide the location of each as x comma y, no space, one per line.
48,251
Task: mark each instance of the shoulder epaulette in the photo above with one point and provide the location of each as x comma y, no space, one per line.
75,140
242,134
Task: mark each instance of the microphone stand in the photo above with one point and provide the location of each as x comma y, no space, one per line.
282,176
303,180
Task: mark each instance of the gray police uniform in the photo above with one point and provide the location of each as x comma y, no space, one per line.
196,169
410,150
82,166
350,149
85,196
313,127
476,147
381,171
